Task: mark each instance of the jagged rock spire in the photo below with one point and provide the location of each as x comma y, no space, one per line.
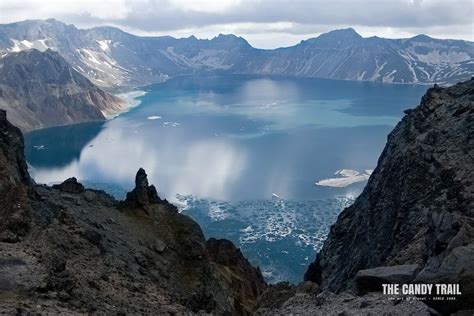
143,194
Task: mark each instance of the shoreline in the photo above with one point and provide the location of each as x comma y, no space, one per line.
132,98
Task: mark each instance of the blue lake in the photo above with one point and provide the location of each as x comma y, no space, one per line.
240,154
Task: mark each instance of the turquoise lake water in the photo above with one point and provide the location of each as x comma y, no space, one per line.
240,154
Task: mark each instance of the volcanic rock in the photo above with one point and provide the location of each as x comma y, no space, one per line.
70,185
418,205
372,279
40,89
71,250
143,194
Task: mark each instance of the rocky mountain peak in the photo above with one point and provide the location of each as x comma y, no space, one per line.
339,39
348,34
421,38
230,41
112,58
47,66
344,32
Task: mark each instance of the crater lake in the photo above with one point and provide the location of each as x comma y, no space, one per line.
267,162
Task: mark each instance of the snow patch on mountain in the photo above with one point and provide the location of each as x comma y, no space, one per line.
19,45
104,45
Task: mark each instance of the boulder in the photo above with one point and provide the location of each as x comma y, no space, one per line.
70,186
456,267
371,280
159,246
275,295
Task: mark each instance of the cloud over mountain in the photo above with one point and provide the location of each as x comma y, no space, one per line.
264,23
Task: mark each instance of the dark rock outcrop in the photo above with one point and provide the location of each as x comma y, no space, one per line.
242,277
276,295
347,304
40,89
70,185
143,194
14,182
418,206
70,250
369,280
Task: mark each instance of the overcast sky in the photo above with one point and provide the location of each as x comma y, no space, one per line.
264,23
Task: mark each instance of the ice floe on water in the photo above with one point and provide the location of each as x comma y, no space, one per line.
276,196
154,117
272,274
346,177
247,229
279,235
171,124
216,213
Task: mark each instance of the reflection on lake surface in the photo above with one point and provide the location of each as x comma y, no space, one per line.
240,154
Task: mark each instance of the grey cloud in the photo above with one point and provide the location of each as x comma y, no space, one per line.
152,16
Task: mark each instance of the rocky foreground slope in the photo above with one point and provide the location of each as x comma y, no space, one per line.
415,217
67,249
40,89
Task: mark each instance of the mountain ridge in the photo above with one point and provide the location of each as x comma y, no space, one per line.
115,59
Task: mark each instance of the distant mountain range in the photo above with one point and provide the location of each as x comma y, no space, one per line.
40,89
113,58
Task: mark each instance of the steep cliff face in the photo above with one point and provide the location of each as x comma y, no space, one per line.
241,277
40,89
14,182
67,249
418,206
